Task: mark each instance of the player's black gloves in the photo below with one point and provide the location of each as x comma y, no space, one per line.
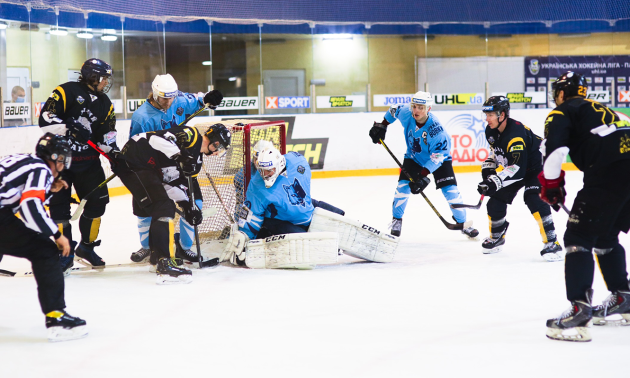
490,185
192,214
213,98
552,191
489,167
377,132
419,185
77,131
187,163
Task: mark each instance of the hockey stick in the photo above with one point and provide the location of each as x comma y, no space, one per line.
216,190
565,209
450,226
205,107
79,210
191,194
7,273
462,206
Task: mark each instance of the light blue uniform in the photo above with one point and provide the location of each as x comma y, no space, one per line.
289,199
429,146
149,118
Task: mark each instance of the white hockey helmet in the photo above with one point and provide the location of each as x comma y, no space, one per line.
258,147
164,86
422,98
270,164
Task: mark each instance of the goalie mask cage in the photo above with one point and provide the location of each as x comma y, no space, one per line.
223,180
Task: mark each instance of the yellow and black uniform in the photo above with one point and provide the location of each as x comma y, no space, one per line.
150,169
516,149
598,143
74,105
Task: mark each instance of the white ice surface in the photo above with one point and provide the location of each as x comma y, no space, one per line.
442,309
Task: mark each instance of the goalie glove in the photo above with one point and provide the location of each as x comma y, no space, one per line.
552,190
490,185
488,168
234,250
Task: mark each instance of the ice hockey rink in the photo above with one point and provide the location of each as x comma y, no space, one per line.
441,309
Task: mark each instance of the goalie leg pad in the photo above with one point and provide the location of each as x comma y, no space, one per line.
292,251
356,238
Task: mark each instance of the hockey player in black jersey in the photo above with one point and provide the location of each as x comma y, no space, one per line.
155,167
26,182
83,111
514,147
599,145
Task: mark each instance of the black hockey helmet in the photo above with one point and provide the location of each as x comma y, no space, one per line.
497,104
572,83
94,71
54,147
219,133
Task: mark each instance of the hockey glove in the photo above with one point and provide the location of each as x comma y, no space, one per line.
490,185
187,164
488,168
552,190
420,185
192,214
77,131
213,98
377,132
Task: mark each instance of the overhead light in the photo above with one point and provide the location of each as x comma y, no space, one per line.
3,25
233,78
58,31
207,62
109,37
337,37
85,34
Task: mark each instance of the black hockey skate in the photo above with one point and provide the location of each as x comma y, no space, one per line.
617,307
141,256
63,326
67,263
396,226
494,245
572,325
85,255
551,252
470,232
185,254
169,273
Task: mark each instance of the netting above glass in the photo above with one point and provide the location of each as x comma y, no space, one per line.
485,13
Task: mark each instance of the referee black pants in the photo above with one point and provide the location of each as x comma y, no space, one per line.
20,241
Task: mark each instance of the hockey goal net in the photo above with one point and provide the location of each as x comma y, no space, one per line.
223,180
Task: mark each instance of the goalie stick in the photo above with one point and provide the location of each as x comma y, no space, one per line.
216,190
463,206
450,226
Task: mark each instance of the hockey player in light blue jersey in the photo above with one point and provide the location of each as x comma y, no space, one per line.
428,151
166,107
278,198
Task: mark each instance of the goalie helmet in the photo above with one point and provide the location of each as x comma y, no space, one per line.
94,71
271,163
422,98
55,148
164,86
572,83
258,147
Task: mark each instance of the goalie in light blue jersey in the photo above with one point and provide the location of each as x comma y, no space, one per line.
278,199
166,107
428,151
